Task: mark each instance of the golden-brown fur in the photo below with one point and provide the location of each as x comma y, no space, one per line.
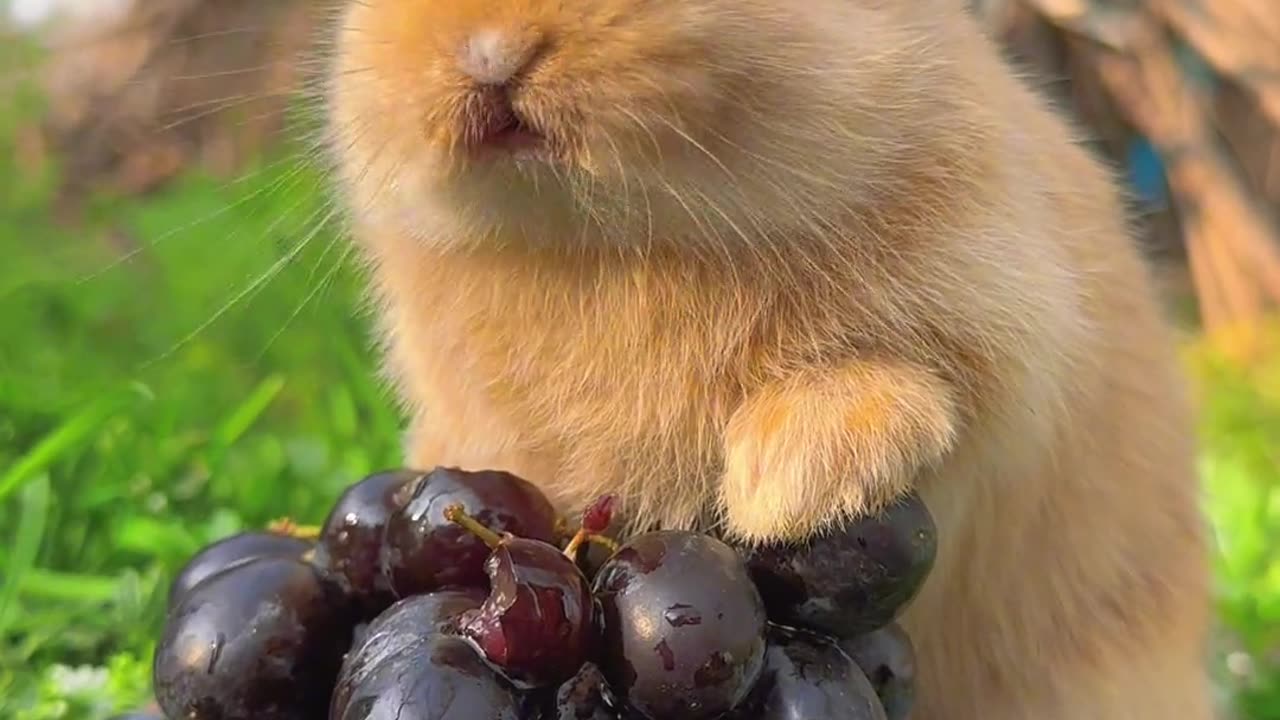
782,260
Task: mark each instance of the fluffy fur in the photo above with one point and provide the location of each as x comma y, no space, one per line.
779,261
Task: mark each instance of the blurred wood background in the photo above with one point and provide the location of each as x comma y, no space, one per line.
1183,96
137,97
1198,82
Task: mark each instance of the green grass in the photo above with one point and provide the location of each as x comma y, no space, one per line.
1240,434
133,430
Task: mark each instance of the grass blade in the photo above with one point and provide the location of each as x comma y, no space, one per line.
26,543
83,589
67,437
244,416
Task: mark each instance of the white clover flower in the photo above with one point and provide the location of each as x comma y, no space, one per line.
79,681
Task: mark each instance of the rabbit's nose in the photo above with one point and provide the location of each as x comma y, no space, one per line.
495,57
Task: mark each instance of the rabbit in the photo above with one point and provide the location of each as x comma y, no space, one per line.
759,267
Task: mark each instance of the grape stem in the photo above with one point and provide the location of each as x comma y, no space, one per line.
286,526
595,520
583,537
457,515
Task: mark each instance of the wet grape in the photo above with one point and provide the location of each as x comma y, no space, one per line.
537,623
887,658
253,642
422,551
683,626
411,665
398,627
351,539
231,551
582,697
443,595
807,677
852,580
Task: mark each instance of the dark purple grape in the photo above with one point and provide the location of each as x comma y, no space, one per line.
683,626
537,624
422,551
807,677
852,580
438,678
398,627
253,642
888,659
582,697
351,538
411,665
230,551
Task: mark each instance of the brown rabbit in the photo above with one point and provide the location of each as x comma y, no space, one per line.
762,265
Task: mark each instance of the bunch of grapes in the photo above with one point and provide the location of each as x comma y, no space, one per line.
455,594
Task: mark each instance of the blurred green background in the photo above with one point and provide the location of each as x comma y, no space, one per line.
178,366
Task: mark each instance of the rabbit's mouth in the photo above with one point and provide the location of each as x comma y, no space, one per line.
515,136
491,123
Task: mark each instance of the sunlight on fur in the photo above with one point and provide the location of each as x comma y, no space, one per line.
775,265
